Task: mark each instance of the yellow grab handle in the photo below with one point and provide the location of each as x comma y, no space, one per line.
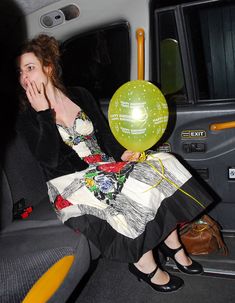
140,53
221,126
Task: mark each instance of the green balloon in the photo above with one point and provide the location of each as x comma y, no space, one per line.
138,115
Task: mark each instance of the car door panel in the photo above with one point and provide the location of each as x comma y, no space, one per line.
210,153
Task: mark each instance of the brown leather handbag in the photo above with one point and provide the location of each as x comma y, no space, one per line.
202,237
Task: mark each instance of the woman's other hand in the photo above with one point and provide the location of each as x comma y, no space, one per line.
37,97
129,155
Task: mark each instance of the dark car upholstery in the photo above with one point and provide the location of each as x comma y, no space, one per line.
30,246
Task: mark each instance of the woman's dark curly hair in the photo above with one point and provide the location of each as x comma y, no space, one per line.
47,50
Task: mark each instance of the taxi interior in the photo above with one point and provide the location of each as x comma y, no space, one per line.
189,53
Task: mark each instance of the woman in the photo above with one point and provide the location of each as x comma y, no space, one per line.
117,205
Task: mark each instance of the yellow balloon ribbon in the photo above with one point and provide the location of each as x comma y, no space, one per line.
143,158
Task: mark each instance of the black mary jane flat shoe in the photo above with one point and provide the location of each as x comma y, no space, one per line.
193,269
174,284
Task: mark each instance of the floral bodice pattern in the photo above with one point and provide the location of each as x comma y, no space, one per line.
81,137
105,177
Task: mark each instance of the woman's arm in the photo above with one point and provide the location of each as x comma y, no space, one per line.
46,144
41,134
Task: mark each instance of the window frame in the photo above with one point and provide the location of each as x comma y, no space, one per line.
187,56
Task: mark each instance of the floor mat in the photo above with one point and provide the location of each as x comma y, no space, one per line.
113,283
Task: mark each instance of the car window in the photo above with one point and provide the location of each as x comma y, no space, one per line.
98,60
171,77
195,52
211,33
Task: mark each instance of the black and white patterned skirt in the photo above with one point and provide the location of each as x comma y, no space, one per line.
128,208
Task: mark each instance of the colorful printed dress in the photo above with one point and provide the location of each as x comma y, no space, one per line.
124,208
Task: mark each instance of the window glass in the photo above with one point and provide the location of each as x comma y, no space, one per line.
99,61
171,72
211,32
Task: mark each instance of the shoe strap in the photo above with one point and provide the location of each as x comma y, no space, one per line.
152,273
177,249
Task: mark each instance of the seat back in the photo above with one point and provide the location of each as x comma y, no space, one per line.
31,247
6,200
22,183
23,172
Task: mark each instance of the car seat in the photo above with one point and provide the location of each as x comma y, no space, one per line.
41,260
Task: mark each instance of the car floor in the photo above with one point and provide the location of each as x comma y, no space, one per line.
112,282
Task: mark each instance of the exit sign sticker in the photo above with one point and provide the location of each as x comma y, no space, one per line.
193,134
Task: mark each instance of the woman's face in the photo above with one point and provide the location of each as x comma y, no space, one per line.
31,70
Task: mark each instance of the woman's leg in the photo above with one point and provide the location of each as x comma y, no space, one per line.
172,248
172,241
147,264
147,270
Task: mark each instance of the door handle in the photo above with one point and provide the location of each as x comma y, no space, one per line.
140,53
223,125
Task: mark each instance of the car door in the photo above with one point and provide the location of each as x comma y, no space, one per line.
194,64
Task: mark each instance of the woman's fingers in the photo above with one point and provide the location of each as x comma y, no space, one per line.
29,89
130,156
42,90
36,97
28,94
135,156
35,89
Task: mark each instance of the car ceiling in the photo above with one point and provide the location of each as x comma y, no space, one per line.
12,11
25,7
14,29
